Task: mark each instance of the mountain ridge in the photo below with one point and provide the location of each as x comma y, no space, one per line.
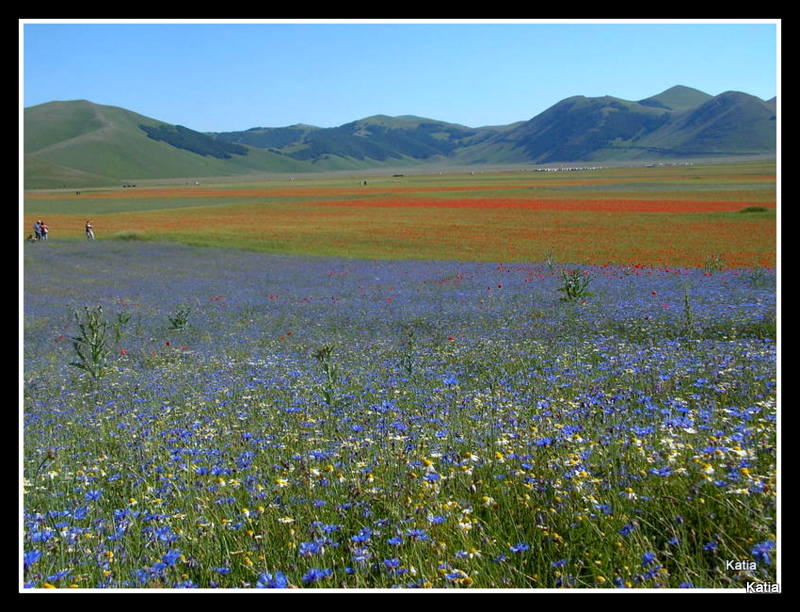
67,143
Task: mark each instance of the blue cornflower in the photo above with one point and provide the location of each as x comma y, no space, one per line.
363,535
626,529
222,570
80,512
57,576
673,541
519,547
306,549
165,534
43,535
653,572
559,563
142,576
450,380
436,519
270,581
171,557
399,426
30,557
158,567
710,546
391,564
93,495
361,555
395,541
648,558
417,534
315,574
761,552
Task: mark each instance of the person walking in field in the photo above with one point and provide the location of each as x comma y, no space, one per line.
37,230
43,229
89,230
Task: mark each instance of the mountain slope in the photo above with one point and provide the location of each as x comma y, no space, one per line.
79,143
109,142
580,128
730,123
378,138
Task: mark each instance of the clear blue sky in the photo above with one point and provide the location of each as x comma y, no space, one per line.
233,76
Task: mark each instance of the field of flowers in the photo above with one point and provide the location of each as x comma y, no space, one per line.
671,215
212,418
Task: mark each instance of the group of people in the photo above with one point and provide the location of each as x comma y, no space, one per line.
40,231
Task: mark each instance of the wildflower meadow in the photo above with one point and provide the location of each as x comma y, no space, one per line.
213,418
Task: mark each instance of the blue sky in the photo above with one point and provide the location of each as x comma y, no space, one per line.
234,76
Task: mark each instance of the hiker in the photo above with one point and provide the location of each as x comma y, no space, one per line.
43,229
89,232
37,230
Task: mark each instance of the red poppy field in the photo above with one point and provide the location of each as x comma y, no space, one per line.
663,215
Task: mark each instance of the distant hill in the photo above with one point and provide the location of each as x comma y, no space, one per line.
79,143
677,98
579,128
378,139
728,124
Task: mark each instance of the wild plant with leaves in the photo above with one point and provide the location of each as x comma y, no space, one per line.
90,344
574,285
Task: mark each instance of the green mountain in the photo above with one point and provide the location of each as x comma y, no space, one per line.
678,123
677,98
378,139
579,128
78,143
732,123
